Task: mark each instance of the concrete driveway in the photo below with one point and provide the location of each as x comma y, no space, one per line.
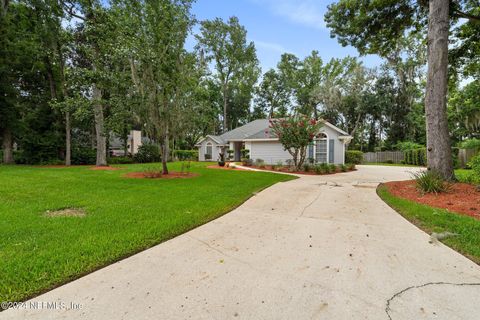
319,247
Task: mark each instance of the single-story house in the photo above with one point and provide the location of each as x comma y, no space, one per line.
258,138
134,141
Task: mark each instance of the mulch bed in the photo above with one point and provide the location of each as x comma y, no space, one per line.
170,175
462,198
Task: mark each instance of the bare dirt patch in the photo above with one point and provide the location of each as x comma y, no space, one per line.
462,198
170,175
106,168
67,212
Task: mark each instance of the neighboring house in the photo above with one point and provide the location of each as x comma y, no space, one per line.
258,138
134,141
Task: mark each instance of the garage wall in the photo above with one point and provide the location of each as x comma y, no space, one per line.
270,151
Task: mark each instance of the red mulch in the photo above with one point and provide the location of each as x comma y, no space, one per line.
170,175
287,170
107,168
462,198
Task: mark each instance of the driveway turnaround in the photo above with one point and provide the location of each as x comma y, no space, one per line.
319,247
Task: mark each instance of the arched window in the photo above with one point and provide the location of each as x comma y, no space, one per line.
208,151
321,148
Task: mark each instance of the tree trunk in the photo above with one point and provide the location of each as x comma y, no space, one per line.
225,128
7,146
99,128
68,139
439,153
165,153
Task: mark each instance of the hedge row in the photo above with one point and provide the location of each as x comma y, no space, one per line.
183,155
416,156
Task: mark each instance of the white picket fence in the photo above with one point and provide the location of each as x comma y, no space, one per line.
384,156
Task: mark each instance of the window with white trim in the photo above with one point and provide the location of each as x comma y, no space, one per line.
321,148
208,151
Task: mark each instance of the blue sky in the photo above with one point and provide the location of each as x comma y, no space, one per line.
278,26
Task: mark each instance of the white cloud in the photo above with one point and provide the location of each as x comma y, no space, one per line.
270,46
307,12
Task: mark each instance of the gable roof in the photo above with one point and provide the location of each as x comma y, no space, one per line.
246,131
257,129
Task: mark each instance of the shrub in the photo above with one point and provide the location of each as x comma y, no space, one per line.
183,155
84,156
306,167
475,165
354,156
230,154
185,167
152,172
245,153
260,163
120,160
351,166
430,181
343,168
389,161
332,168
148,153
416,157
470,144
322,168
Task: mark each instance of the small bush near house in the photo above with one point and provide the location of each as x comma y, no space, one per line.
351,166
430,182
354,156
332,168
343,168
260,163
147,153
120,160
230,154
183,155
306,167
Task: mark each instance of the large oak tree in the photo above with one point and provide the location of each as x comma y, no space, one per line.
380,26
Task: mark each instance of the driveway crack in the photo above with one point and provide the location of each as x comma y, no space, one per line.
311,202
396,295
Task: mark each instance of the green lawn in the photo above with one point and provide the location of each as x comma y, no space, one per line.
438,220
124,216
467,176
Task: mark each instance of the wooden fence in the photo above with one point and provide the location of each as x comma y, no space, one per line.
384,156
465,155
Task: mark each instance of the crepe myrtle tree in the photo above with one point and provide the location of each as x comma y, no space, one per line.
295,133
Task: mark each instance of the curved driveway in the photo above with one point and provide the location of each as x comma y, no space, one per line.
319,247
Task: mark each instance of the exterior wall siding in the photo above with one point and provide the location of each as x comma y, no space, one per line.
215,150
269,151
338,149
